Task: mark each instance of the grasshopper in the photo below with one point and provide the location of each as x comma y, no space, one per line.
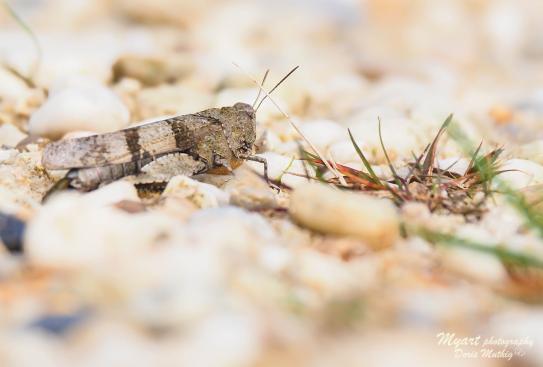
213,139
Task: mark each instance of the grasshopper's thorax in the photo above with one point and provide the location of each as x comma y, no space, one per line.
239,126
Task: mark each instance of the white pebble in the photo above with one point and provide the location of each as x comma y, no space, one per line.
87,106
11,87
532,151
10,136
327,210
344,151
234,338
523,173
475,265
112,193
8,155
201,194
454,164
249,191
171,100
72,231
238,231
323,133
399,137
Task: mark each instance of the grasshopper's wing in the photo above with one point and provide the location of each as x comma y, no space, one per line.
133,144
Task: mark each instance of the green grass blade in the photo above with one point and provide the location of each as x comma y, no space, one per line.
515,199
500,251
374,178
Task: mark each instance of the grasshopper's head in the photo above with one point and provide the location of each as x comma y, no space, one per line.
239,124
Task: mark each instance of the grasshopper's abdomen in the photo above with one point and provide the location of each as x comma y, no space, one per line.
87,179
129,145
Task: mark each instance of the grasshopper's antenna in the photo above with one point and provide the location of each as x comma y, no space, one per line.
289,119
262,84
276,85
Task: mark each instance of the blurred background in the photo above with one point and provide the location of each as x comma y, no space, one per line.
446,55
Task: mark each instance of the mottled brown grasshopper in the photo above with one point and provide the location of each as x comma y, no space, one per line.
213,138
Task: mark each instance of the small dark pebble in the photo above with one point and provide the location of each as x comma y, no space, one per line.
11,232
59,324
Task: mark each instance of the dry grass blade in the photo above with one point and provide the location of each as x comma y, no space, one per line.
440,189
397,178
354,176
260,90
28,81
34,39
289,119
431,155
275,87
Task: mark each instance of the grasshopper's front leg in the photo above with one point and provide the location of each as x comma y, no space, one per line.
258,159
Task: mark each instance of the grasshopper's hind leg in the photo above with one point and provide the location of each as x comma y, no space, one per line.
61,185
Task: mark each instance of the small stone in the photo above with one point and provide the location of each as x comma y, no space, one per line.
533,195
501,114
7,156
10,136
249,191
231,228
171,100
177,207
532,151
343,151
472,264
79,106
76,231
336,212
521,173
77,134
201,194
399,137
112,194
59,324
454,164
323,133
11,87
11,232
151,70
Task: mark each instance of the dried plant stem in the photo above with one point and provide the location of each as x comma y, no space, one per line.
34,39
